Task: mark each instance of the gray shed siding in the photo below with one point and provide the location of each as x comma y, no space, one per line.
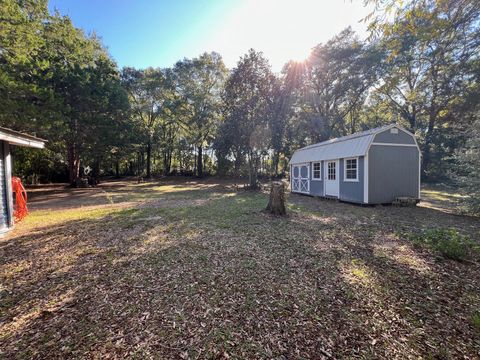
352,190
4,203
393,171
400,138
316,186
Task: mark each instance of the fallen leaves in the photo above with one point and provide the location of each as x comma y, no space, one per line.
197,271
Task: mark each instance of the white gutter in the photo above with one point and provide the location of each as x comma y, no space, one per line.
16,140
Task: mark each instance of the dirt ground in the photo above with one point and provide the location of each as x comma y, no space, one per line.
194,269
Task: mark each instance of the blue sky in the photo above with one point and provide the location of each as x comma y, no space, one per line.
145,33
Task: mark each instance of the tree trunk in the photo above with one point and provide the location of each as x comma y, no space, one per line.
276,161
200,162
139,164
164,163
426,154
205,157
117,169
253,162
149,159
194,160
167,161
276,203
95,173
73,163
428,144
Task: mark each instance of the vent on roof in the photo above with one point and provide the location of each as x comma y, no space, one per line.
393,131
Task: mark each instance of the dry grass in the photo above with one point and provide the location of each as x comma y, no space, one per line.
196,270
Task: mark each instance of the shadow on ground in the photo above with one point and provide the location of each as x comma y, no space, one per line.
198,271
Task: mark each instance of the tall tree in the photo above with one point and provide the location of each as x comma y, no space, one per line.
430,47
55,81
248,102
147,91
200,82
334,82
22,38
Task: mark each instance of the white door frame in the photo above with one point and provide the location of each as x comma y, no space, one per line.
332,189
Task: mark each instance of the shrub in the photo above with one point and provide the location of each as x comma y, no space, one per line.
448,242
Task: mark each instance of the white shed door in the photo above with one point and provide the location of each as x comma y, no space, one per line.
300,178
332,181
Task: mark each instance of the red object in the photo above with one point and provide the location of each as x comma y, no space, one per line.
20,207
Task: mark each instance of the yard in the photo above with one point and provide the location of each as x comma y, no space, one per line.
188,269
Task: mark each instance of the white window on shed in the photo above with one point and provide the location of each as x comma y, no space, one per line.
317,171
351,169
332,173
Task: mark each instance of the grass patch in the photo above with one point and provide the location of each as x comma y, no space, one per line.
476,321
49,217
448,242
442,195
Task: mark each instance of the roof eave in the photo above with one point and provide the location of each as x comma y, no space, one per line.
16,138
25,143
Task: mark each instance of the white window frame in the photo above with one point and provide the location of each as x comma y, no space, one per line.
313,171
345,169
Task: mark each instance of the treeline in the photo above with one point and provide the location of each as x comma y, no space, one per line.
420,68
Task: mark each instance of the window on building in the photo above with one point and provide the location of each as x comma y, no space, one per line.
317,171
351,169
332,170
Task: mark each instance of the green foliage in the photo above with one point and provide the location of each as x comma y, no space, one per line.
467,173
200,82
448,242
151,94
476,320
429,70
22,38
333,84
248,105
59,84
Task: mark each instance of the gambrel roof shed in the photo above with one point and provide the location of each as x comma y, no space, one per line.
373,166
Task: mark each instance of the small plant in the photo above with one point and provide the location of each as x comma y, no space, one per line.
448,242
476,321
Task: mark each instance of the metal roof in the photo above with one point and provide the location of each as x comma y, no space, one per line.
347,146
17,138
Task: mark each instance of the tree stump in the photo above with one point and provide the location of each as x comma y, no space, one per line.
276,203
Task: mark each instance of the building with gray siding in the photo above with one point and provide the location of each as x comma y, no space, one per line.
370,167
7,139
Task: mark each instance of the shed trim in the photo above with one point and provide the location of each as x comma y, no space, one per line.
8,182
17,138
392,144
365,177
419,173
